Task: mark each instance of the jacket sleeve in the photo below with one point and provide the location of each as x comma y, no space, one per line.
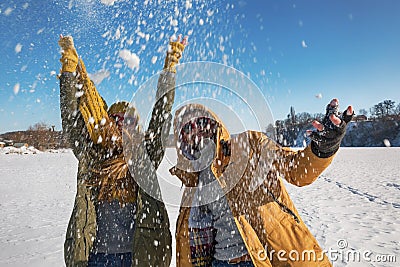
73,124
301,167
160,122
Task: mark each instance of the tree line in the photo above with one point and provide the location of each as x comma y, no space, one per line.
285,131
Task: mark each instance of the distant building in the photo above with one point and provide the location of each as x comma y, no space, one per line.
2,144
360,118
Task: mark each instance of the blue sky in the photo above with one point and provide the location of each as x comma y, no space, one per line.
293,50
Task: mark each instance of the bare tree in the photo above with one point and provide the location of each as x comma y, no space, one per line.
40,126
383,109
319,116
389,106
363,112
292,115
397,110
378,110
270,131
303,117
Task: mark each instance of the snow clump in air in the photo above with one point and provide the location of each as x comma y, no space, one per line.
108,2
16,88
8,11
386,142
18,48
99,76
131,59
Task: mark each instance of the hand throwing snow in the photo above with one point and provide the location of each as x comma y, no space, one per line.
330,132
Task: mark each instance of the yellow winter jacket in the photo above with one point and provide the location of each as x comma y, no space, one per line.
251,177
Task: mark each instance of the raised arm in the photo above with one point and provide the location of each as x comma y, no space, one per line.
83,111
73,124
160,121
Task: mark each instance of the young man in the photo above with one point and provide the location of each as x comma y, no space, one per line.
235,210
114,222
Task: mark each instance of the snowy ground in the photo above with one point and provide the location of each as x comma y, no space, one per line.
354,205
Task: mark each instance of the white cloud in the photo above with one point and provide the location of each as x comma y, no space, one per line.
131,59
303,44
99,76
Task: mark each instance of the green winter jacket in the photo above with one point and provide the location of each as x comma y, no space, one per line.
152,237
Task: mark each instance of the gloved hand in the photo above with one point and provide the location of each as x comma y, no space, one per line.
326,140
69,58
175,53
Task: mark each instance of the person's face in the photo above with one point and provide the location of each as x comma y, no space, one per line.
194,132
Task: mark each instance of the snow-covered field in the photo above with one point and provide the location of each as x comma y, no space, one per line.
353,208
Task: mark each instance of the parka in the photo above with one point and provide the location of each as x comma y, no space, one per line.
152,238
251,177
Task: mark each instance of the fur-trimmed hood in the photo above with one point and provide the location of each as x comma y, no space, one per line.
186,114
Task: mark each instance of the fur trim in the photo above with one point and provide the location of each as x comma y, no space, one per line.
114,181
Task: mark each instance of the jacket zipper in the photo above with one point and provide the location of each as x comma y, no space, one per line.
283,207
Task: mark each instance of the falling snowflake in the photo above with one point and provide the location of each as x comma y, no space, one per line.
131,59
18,48
386,142
16,88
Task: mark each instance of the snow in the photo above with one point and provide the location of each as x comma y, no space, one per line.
16,88
18,48
99,76
188,4
386,142
108,2
131,59
8,11
19,150
355,205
